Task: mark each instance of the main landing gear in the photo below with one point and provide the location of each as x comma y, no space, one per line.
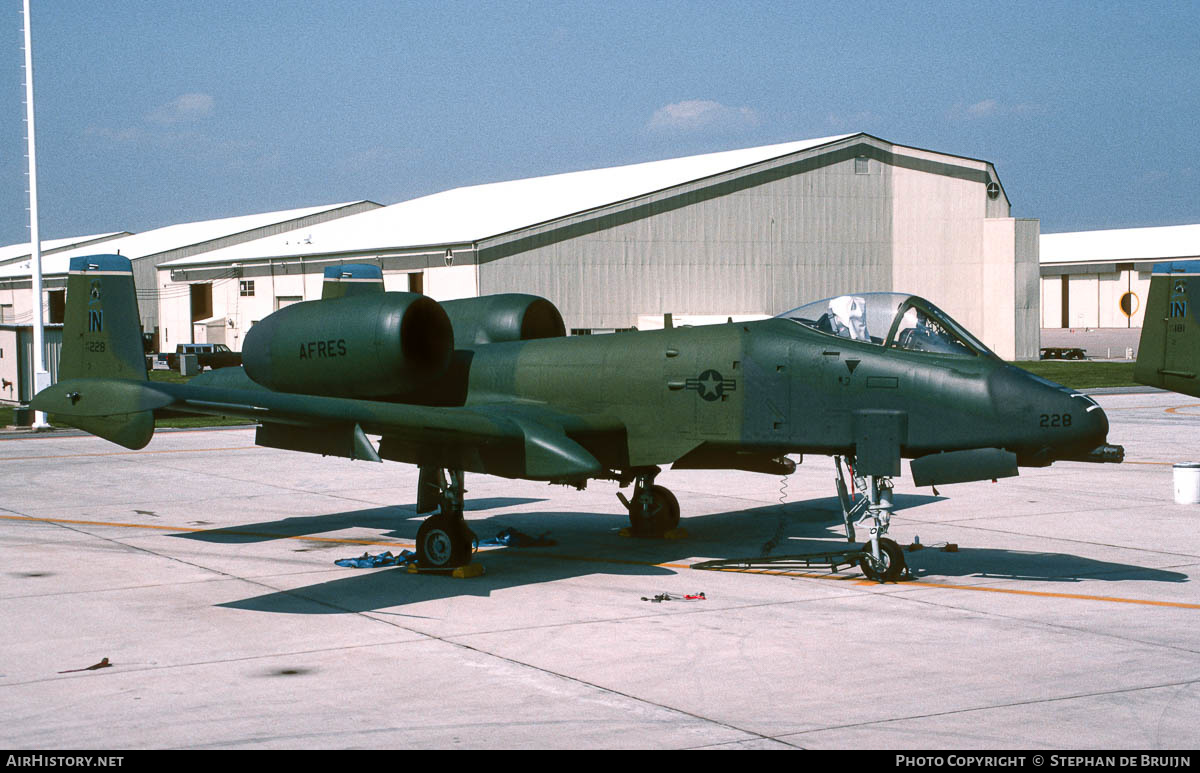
654,510
444,541
884,559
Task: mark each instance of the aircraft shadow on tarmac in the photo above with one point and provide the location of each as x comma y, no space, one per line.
384,518
588,544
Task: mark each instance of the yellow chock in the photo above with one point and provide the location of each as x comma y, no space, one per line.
470,570
672,534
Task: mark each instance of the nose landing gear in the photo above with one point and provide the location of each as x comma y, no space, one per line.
884,560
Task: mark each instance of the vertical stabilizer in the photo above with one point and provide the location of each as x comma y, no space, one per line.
351,279
102,336
101,355
1169,350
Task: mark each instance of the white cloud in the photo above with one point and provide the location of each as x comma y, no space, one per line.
984,108
186,107
698,114
858,121
990,108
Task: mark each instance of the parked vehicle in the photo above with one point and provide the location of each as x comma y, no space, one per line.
207,356
1063,353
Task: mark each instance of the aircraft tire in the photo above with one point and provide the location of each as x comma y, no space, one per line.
669,517
444,543
664,518
893,562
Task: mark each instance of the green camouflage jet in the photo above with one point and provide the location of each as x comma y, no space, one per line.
1169,350
492,385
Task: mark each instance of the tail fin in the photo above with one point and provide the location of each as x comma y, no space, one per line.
102,336
102,344
351,279
1169,350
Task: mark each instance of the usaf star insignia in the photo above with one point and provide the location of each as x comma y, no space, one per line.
711,385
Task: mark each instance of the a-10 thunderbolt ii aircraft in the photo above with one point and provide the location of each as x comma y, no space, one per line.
1169,349
492,385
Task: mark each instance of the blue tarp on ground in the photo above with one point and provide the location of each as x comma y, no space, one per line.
506,538
367,561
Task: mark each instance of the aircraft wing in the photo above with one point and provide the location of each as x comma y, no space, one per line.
509,439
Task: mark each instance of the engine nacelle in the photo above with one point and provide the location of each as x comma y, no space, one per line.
492,319
368,346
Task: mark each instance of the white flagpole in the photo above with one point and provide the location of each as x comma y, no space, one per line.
41,377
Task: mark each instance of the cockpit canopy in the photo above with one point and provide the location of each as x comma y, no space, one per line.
892,320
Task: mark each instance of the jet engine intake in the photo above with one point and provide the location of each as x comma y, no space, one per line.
491,319
382,345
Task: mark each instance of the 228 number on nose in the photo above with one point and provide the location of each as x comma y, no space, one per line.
1055,420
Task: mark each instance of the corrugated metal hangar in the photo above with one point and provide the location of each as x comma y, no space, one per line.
744,233
1099,279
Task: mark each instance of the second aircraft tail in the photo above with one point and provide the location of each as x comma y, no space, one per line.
1169,350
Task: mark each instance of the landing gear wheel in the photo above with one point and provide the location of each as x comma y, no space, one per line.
659,518
890,566
444,543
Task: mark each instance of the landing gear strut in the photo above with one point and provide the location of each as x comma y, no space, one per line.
884,560
444,541
654,510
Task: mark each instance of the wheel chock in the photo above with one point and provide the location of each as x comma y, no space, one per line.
462,572
672,534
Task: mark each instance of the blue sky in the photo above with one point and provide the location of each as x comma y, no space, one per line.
153,113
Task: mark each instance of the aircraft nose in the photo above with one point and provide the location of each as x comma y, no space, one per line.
1066,424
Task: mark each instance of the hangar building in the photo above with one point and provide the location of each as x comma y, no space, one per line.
1099,279
743,233
145,250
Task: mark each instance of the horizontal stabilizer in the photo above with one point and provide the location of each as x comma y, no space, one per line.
117,410
131,430
964,466
99,397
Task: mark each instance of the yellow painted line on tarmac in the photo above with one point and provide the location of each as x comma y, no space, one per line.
600,560
1177,408
923,583
1052,595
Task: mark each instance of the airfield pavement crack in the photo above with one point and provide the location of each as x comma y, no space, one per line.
422,634
1013,704
966,524
904,594
540,669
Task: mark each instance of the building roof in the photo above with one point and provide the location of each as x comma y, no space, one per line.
469,214
1121,245
168,238
15,252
